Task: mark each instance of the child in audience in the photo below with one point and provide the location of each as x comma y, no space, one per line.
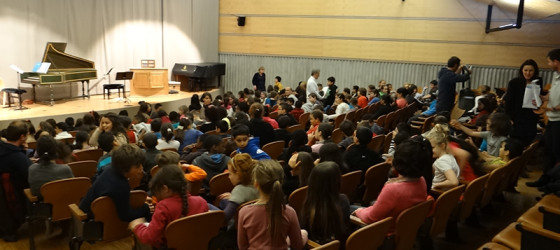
113,182
278,82
326,212
61,130
267,223
266,117
284,110
347,127
359,156
510,149
214,161
401,100
223,127
281,134
342,106
106,142
193,173
498,127
110,122
298,143
322,135
174,202
246,144
192,151
362,98
140,124
150,143
70,122
315,118
330,152
167,142
130,132
446,169
300,166
81,142
240,170
374,97
155,125
297,111
258,127
400,193
45,169
211,116
189,134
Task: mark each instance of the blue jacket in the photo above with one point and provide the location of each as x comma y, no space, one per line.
253,150
431,110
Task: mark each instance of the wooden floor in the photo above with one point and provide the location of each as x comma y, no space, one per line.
77,107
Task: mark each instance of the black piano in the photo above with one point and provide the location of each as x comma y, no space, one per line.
191,74
65,68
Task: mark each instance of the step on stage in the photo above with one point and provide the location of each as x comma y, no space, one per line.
76,108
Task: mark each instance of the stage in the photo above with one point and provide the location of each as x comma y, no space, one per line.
77,107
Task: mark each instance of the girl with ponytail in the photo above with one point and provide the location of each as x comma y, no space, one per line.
167,141
268,223
174,202
46,170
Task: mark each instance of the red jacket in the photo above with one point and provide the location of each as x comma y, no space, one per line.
167,210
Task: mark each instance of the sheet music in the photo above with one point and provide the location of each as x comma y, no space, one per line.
532,92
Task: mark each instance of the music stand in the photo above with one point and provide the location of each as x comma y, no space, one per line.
125,75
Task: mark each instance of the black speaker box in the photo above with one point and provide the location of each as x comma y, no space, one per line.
241,21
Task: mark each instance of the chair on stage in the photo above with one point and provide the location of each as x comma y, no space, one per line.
127,75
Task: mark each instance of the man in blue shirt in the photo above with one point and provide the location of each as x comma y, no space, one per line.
447,82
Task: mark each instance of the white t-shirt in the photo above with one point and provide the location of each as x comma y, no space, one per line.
340,109
441,165
162,144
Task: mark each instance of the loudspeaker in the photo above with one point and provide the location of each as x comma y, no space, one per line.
240,21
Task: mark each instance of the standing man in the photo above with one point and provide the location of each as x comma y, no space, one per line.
551,172
312,86
259,80
448,78
14,166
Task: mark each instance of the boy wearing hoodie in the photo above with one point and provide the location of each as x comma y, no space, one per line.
246,144
214,161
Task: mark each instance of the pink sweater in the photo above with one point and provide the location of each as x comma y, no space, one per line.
394,198
252,229
167,210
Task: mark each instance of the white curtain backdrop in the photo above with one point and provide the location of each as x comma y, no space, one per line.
113,34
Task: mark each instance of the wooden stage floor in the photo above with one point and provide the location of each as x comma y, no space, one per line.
77,107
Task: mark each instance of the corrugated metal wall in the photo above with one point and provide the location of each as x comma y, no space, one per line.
240,70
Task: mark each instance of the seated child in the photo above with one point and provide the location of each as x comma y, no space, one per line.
321,135
193,173
348,129
45,169
214,161
240,170
151,152
170,188
247,144
113,182
510,149
106,142
446,169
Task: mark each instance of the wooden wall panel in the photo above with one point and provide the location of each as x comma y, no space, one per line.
381,50
412,8
428,31
457,31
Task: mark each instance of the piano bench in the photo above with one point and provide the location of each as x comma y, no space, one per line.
108,87
8,92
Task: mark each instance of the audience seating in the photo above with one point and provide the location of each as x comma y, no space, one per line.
195,231
68,141
337,136
333,245
408,223
106,226
496,176
423,124
472,193
443,207
375,178
274,149
293,128
220,184
349,182
213,132
338,120
389,120
387,142
195,187
32,145
381,121
273,115
376,143
526,236
303,119
83,168
297,198
350,115
89,154
370,236
358,116
57,195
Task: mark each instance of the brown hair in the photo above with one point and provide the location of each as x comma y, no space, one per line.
243,164
268,174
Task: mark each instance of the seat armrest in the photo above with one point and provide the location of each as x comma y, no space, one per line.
436,192
538,231
357,221
77,212
548,209
312,244
30,197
